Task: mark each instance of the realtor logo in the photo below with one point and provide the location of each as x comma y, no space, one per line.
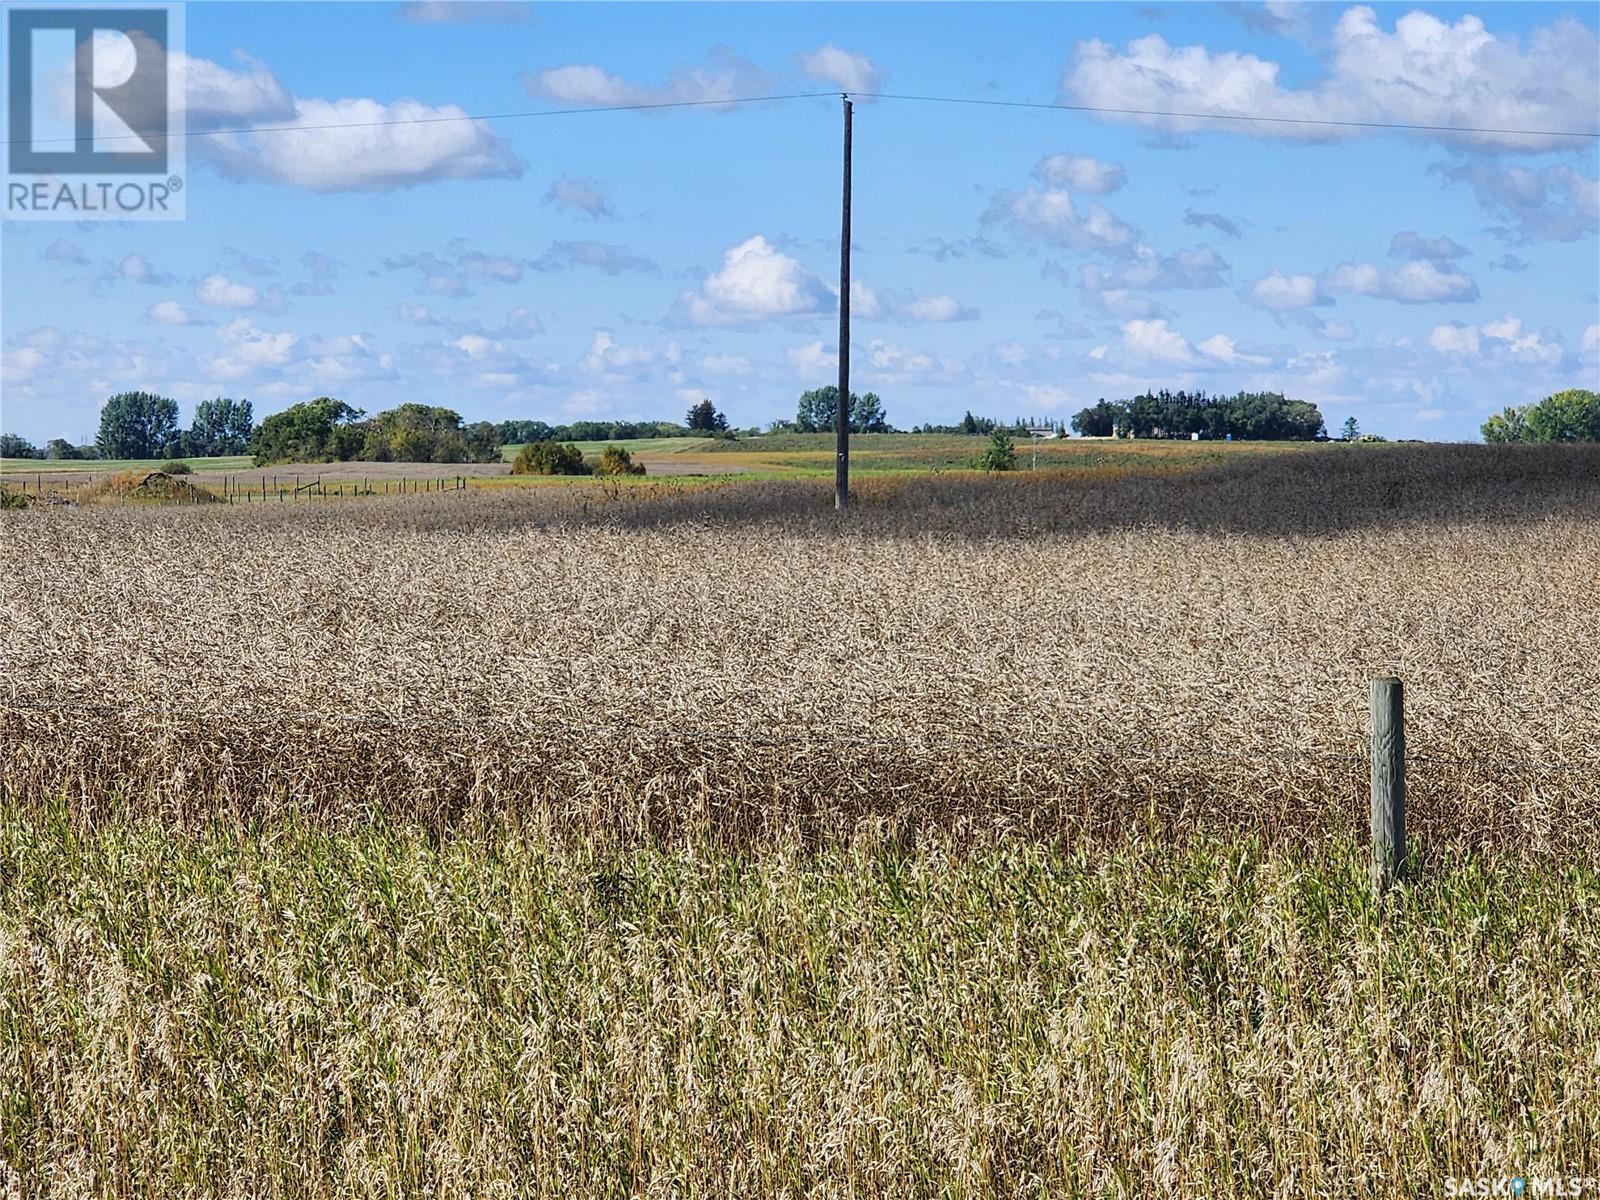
94,118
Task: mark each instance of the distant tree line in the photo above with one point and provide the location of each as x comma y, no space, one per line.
144,425
973,426
1569,416
1255,416
514,433
702,420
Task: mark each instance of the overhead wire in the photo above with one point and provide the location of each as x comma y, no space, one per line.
726,101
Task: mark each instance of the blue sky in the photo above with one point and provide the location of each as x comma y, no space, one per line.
1011,261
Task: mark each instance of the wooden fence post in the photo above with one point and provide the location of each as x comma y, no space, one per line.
1388,783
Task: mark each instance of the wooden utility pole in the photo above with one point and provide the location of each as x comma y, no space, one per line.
841,424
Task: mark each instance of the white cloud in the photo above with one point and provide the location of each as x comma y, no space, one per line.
475,345
863,300
1425,71
1329,330
363,145
725,76
1224,349
908,307
1454,339
63,251
1153,341
887,362
757,282
221,292
248,349
847,71
812,359
170,312
1201,267
219,97
465,12
1284,293
1504,339
1410,244
1048,214
417,314
1548,204
1079,173
1591,339
1420,281
137,268
611,360
581,195
1524,347
609,259
726,364
933,309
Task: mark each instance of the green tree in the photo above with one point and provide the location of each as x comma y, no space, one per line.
60,448
818,412
137,425
1511,425
522,432
423,433
1568,416
221,426
1572,415
1352,430
320,430
704,417
1000,454
14,446
1099,421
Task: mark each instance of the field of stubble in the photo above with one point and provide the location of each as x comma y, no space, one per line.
1003,838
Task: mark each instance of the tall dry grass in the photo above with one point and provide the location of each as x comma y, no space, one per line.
302,1013
1041,655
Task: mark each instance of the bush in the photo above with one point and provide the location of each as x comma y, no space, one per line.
549,458
615,460
1001,454
176,467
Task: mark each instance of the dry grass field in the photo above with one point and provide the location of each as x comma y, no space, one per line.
1001,838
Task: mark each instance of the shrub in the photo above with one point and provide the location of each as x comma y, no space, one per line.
549,458
615,460
176,467
1001,454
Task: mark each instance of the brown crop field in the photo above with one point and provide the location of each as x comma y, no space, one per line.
1001,837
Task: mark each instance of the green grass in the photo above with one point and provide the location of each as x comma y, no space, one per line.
294,1012
32,466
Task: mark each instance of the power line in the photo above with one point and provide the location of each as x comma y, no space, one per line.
1102,110
505,116
1214,116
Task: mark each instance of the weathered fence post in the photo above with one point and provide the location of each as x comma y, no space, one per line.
1388,783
